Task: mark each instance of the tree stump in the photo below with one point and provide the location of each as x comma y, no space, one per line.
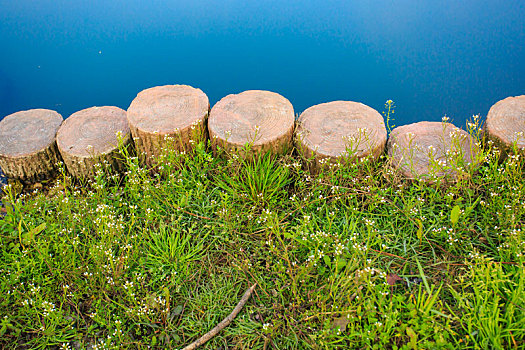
91,136
329,131
264,120
505,123
431,150
28,150
167,117
3,181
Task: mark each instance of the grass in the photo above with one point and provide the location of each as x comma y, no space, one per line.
353,257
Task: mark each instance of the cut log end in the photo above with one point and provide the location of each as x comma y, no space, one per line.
505,123
167,117
91,136
330,131
263,121
431,150
28,150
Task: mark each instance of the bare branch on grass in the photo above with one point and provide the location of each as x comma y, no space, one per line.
224,323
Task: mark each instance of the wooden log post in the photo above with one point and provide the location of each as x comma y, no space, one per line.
329,131
431,150
28,150
91,136
505,123
170,116
261,119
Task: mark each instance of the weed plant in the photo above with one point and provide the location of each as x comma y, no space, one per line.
353,257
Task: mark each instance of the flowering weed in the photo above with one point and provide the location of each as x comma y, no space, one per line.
354,256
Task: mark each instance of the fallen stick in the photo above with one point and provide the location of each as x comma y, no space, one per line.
224,323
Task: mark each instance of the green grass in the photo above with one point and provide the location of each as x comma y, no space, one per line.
353,257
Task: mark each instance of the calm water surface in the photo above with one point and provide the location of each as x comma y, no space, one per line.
433,58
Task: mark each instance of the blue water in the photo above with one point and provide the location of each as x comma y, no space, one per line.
433,58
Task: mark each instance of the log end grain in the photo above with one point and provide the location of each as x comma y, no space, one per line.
430,150
27,144
262,119
505,122
332,130
90,136
171,116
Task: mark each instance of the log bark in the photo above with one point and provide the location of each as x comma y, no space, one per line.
91,136
170,117
261,119
330,131
28,150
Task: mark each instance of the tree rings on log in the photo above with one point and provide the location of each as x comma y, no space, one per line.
91,136
167,117
431,150
505,122
28,149
329,131
262,120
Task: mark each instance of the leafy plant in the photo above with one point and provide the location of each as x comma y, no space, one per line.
261,180
352,257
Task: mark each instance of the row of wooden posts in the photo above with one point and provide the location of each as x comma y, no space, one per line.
32,142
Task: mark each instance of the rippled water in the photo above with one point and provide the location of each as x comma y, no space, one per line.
431,57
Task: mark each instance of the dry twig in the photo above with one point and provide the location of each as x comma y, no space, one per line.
224,323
